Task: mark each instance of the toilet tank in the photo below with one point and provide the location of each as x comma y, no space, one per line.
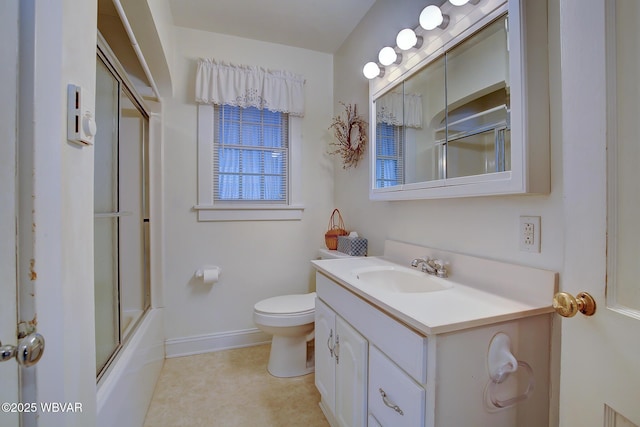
324,253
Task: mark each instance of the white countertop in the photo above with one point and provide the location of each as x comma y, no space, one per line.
468,303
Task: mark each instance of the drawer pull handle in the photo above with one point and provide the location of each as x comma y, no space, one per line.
389,403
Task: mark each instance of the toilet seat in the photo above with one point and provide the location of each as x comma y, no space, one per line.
286,310
287,305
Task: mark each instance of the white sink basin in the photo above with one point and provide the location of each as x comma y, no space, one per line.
399,279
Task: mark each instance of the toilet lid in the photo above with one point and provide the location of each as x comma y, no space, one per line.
288,304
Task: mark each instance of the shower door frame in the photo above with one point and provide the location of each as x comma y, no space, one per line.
126,89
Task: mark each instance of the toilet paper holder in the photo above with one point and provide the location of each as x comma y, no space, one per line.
208,273
502,363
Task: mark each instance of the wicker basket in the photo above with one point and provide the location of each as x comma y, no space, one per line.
335,229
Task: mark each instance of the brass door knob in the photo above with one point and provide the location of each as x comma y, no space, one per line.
566,305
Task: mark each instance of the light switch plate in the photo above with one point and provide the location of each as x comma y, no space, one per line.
81,125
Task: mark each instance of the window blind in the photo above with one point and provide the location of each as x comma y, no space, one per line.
389,155
251,150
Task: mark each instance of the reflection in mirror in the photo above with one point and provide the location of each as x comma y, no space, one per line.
425,152
406,147
477,124
451,118
390,139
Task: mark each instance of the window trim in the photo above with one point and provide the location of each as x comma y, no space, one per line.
208,210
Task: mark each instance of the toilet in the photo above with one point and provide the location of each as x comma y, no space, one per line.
290,319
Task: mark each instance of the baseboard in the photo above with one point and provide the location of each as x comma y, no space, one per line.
187,346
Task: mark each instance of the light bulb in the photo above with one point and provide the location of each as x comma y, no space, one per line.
387,56
371,70
406,39
432,17
463,2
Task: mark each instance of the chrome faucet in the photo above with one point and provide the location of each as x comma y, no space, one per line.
434,267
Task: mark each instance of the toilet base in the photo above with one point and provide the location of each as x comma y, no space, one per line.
288,357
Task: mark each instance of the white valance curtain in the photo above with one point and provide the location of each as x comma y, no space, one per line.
391,107
247,86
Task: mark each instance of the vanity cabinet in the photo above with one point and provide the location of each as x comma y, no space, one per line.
350,334
341,368
374,368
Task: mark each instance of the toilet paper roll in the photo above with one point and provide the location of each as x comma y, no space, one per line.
209,275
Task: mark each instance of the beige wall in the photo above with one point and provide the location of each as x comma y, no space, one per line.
259,259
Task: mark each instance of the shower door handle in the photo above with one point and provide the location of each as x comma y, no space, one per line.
28,351
112,214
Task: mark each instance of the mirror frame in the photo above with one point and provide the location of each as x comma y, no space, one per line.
528,69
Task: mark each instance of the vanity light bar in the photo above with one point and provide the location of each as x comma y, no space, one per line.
463,2
430,18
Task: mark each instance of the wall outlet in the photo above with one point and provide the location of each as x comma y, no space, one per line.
529,234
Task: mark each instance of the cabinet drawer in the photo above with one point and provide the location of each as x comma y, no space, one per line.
403,402
407,348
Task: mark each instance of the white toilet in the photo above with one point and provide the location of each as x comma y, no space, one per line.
290,319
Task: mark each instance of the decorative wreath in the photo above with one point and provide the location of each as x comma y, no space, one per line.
351,133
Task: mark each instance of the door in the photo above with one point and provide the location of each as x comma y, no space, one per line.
325,363
600,110
8,273
351,375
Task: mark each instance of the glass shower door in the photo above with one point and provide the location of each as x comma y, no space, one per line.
134,218
121,230
106,223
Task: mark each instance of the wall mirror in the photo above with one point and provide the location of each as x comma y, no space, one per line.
455,120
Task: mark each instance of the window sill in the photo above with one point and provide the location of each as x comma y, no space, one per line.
221,212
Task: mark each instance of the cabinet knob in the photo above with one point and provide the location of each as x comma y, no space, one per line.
566,305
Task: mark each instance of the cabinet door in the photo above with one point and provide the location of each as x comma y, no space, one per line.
325,363
351,376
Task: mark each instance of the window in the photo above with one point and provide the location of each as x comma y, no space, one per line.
249,163
251,151
389,156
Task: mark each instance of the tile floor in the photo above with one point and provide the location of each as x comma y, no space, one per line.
232,388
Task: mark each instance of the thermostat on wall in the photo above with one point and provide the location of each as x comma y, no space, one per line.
81,124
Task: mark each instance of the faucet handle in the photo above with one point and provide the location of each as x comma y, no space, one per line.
441,267
416,262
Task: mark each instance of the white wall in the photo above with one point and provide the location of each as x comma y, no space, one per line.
259,259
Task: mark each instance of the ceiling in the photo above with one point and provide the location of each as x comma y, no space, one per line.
321,25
